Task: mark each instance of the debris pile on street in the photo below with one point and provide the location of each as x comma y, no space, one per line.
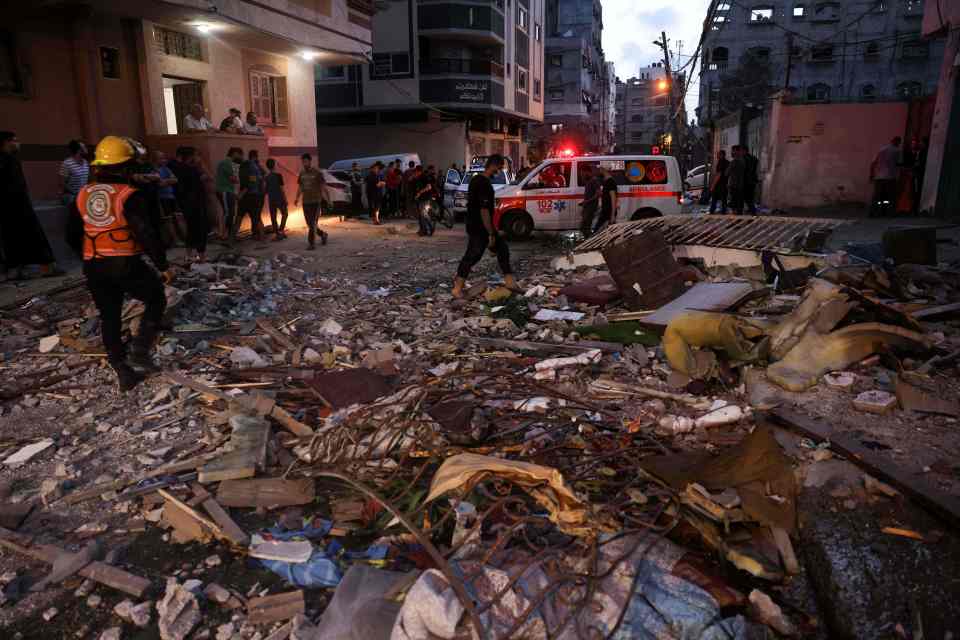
646,445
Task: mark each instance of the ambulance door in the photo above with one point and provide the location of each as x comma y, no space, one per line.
547,195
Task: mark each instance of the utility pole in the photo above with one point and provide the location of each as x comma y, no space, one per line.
786,82
675,142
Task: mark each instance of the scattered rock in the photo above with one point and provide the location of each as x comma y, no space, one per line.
94,601
217,593
246,357
178,611
113,633
49,343
50,614
138,615
51,490
841,380
875,401
212,561
765,610
330,327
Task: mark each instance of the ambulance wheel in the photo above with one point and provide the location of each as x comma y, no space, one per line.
517,225
648,212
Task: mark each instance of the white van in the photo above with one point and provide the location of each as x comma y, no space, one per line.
366,163
548,197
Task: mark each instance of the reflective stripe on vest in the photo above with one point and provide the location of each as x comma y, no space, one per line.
105,228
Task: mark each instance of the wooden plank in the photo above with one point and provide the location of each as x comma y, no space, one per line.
282,606
581,346
930,312
278,336
703,296
97,571
911,483
231,530
289,423
248,440
176,504
266,492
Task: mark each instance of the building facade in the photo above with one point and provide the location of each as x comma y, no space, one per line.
817,50
88,68
578,81
447,80
643,110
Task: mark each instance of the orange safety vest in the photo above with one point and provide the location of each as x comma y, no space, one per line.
105,229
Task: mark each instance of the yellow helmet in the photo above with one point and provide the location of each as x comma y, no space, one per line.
117,150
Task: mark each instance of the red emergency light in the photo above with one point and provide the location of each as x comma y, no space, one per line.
655,151
567,153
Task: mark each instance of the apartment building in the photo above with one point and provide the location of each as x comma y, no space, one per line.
643,110
448,80
83,69
820,50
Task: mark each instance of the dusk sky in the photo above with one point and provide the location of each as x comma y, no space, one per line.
630,27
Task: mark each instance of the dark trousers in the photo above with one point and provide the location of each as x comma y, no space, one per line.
884,197
719,196
172,231
586,219
605,216
477,244
356,200
198,227
228,204
251,204
736,200
109,280
392,201
750,197
275,206
310,210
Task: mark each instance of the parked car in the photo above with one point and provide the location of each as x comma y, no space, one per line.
696,178
548,197
336,194
500,180
367,162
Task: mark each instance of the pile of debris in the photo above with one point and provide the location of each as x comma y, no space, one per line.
607,455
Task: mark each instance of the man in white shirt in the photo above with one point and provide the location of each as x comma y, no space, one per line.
883,173
195,121
250,127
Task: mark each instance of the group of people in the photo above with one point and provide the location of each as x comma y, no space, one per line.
600,192
897,173
196,122
393,191
735,182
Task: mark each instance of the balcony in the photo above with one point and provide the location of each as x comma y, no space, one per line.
474,23
460,66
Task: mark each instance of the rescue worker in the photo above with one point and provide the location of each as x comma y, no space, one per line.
117,230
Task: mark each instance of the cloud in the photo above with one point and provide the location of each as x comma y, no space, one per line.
630,27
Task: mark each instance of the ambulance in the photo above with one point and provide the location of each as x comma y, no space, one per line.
548,197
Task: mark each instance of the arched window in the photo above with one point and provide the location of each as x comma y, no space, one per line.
818,93
909,89
868,92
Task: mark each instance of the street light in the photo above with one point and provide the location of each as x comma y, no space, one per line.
662,85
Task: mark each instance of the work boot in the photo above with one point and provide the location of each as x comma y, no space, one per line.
142,361
127,378
458,284
510,282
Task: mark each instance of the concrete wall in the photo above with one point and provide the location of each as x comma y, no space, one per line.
820,154
437,143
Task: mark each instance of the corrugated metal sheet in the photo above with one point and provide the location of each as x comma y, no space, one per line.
754,233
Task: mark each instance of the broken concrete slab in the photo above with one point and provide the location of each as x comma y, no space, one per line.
178,611
875,401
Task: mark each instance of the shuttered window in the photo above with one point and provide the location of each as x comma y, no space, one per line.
268,98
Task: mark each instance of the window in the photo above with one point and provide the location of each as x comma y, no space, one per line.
556,128
536,89
818,93
521,80
110,63
761,15
556,60
523,18
385,65
336,72
912,8
881,6
537,32
553,176
11,76
760,54
628,173
637,118
909,90
915,50
827,12
821,53
174,43
799,12
556,95
719,59
268,98
872,51
868,92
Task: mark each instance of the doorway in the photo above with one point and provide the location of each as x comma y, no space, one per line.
179,94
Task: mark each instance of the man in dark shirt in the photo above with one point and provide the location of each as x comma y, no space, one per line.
251,197
718,184
276,199
736,178
481,234
374,184
591,199
609,200
751,178
191,198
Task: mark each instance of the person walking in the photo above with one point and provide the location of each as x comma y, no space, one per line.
74,173
226,180
718,183
481,234
191,194
736,175
609,200
374,185
591,199
276,200
250,201
751,178
409,190
22,239
393,179
115,224
165,185
310,188
883,174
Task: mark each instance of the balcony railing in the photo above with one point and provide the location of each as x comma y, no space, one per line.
439,66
